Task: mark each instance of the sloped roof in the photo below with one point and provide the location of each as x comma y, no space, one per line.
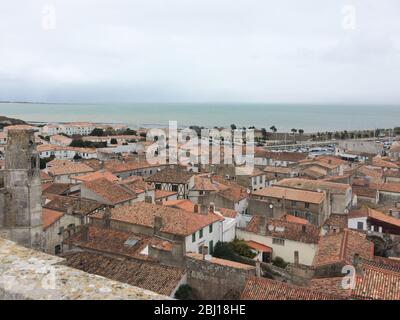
267,289
341,247
279,228
291,194
175,221
145,275
109,191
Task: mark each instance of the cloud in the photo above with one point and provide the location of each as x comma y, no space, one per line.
188,50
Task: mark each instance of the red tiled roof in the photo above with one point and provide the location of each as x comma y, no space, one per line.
159,194
291,194
113,241
267,289
143,274
171,176
183,204
175,221
291,218
341,247
372,282
49,217
279,228
109,191
97,175
258,246
375,214
314,185
71,168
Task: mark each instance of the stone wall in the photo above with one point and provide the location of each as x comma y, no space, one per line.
27,274
214,281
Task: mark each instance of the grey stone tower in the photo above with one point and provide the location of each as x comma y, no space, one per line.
20,193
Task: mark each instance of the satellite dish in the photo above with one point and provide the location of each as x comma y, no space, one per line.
248,191
346,211
271,206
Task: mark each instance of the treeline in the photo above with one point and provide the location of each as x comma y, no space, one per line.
98,132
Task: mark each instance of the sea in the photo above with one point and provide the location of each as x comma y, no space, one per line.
309,117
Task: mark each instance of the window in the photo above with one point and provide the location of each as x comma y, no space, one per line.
193,237
294,203
307,205
200,233
175,187
60,231
158,186
211,247
360,225
278,241
201,193
210,228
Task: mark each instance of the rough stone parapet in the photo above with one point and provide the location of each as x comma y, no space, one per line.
27,274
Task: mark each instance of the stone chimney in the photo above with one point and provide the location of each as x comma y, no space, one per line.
212,207
148,199
107,218
296,258
203,209
85,232
158,224
262,225
258,269
356,260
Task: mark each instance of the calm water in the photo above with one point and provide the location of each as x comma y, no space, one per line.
311,118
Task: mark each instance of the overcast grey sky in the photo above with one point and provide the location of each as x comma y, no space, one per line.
200,50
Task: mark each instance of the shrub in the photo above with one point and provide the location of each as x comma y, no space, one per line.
98,132
184,292
241,248
279,262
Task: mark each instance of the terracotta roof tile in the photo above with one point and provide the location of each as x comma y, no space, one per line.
171,176
373,282
98,175
266,289
279,228
159,194
70,168
314,185
57,188
290,194
77,205
49,217
341,247
109,191
175,221
146,275
114,242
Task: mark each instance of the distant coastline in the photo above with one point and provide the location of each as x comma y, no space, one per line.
309,117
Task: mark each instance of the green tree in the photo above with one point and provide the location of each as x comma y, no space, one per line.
233,126
294,134
98,132
113,141
274,130
279,262
264,133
